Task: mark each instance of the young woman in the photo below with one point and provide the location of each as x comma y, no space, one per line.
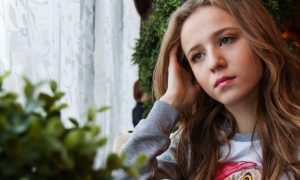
227,79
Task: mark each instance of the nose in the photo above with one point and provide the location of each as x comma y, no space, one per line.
216,60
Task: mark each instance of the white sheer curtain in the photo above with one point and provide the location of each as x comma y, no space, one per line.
50,39
85,45
116,28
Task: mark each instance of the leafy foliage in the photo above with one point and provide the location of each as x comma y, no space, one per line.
34,144
152,31
280,9
147,46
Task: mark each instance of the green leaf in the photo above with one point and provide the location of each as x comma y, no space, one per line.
62,106
55,107
35,128
91,114
141,160
20,127
123,156
58,95
74,122
113,161
53,86
94,130
133,172
32,105
55,127
101,142
2,78
74,139
103,108
9,98
46,100
4,75
29,89
68,162
3,122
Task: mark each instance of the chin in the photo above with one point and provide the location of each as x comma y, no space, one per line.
229,100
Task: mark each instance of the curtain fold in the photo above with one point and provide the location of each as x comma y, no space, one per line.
116,28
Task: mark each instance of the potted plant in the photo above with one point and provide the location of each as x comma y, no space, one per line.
34,144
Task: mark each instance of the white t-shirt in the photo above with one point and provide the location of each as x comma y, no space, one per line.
244,160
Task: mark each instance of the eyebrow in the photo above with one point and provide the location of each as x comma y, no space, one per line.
216,33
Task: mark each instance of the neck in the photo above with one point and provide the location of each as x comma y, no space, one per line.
244,114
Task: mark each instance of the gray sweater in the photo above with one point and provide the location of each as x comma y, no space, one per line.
152,137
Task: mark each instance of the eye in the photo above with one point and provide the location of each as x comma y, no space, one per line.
225,40
197,57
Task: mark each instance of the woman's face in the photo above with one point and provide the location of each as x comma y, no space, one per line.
220,56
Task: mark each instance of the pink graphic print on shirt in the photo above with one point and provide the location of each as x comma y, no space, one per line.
238,171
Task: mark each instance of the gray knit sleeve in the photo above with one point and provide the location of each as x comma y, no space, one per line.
152,137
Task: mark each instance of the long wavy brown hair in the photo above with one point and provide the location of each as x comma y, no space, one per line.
278,111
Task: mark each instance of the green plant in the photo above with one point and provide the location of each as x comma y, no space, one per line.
148,45
34,144
281,10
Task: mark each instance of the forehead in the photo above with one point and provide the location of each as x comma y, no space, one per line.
203,23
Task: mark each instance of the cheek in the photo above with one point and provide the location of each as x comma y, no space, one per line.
198,73
205,84
202,77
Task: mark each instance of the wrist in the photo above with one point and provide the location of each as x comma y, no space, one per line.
172,101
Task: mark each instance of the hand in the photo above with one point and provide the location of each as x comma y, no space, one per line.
181,92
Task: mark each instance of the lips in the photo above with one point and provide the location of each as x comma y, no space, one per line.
223,79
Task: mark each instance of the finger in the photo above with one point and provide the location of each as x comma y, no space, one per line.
173,59
173,52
